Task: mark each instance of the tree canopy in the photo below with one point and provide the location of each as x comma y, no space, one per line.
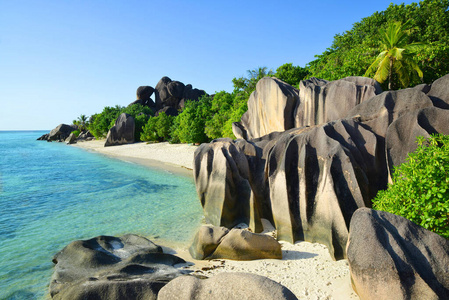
352,52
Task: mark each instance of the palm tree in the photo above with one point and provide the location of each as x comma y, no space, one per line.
396,56
82,122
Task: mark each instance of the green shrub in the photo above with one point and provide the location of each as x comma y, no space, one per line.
420,188
76,132
157,128
191,122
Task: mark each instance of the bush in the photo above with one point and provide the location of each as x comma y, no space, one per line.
420,188
189,125
157,128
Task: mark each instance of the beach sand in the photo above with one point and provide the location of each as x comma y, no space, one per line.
306,268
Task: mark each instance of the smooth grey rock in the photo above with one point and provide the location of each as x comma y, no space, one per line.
106,267
212,242
61,132
122,132
225,286
71,139
393,258
439,92
323,101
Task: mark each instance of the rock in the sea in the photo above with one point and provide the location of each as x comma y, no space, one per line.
71,139
122,132
212,242
390,257
60,133
225,286
106,267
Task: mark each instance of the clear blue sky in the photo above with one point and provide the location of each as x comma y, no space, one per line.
61,59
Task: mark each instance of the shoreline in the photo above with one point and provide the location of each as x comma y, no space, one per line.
306,268
173,158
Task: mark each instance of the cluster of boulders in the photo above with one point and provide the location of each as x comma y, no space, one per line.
308,159
170,98
133,267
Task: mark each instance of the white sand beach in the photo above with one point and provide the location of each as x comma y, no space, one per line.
306,268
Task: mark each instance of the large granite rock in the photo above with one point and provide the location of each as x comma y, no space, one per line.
270,108
212,242
122,132
439,92
225,286
309,181
106,267
393,258
143,94
168,92
323,101
401,134
60,133
175,93
71,139
277,106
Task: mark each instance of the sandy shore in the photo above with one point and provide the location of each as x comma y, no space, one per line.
306,268
176,158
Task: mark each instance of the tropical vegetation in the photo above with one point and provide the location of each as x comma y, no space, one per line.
420,188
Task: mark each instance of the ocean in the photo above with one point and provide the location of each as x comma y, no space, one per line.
52,194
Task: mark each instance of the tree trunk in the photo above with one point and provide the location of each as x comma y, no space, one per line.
390,71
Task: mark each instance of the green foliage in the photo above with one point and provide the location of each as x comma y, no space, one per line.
396,57
101,122
247,85
76,132
190,123
291,74
157,128
420,189
352,52
221,110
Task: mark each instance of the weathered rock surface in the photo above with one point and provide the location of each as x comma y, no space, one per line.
143,94
105,267
225,286
85,136
309,181
60,133
270,108
212,242
122,132
71,139
401,134
439,92
323,101
277,106
393,258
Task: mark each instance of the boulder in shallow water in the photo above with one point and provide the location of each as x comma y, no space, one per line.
225,286
106,267
391,257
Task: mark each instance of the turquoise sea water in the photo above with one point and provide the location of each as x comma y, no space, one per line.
52,194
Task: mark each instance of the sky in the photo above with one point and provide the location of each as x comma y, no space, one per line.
61,59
